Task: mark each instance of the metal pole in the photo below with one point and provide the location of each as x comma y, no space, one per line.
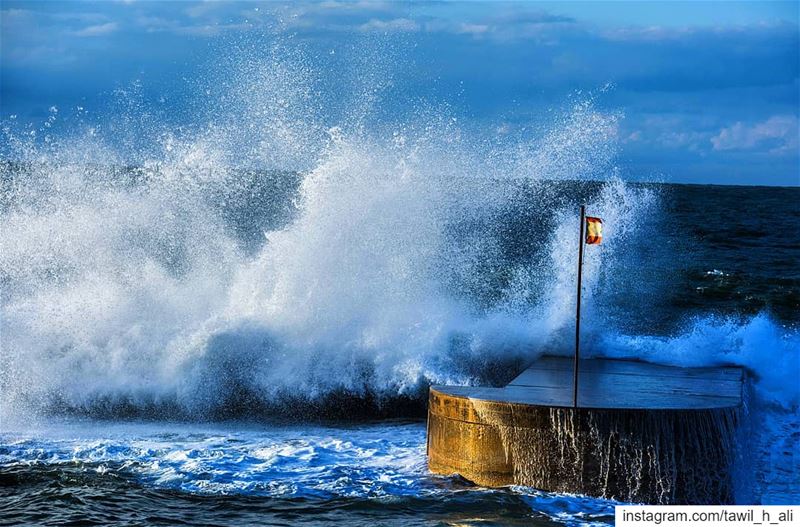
578,312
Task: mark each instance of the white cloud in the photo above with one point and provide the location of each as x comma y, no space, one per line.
210,30
779,131
198,29
155,23
363,4
473,29
202,9
50,55
689,140
15,15
646,33
97,30
394,25
634,136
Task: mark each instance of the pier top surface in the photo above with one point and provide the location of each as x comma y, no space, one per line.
614,384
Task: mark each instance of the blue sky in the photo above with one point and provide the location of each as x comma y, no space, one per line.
709,90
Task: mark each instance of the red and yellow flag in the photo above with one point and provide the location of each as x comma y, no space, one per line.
594,230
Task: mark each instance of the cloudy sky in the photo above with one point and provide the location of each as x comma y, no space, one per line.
709,90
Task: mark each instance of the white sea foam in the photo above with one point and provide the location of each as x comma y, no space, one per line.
768,351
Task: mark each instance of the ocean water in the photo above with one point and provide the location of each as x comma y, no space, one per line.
236,321
252,474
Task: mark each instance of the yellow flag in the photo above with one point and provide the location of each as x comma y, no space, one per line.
594,230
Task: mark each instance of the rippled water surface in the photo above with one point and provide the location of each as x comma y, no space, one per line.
168,473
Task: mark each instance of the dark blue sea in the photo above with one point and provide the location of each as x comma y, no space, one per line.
237,323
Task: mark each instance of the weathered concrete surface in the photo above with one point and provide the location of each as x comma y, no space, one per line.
643,433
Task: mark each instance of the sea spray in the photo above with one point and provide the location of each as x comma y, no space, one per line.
290,246
140,291
758,343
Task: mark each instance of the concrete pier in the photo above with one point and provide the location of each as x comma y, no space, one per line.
641,432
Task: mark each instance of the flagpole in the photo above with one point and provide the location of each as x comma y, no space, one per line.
578,312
